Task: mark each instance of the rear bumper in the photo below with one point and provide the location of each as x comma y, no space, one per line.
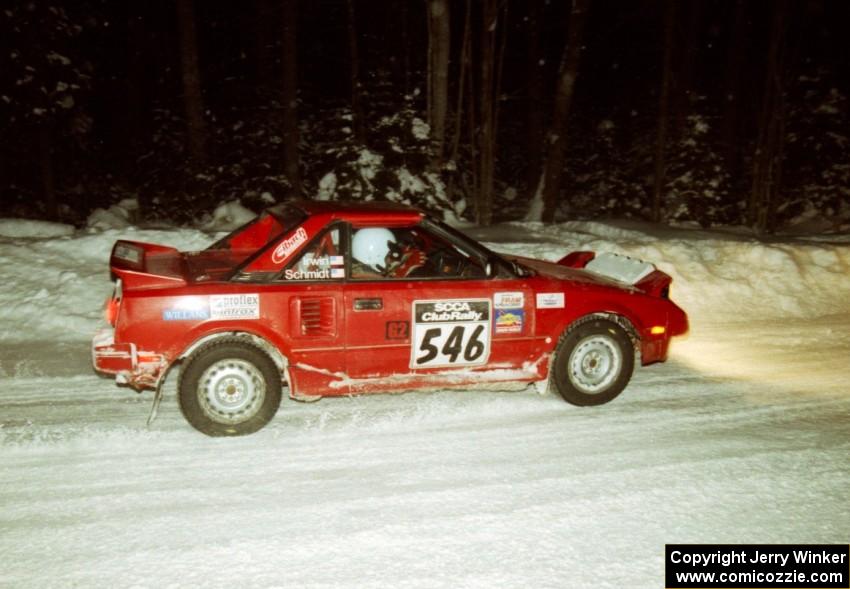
138,369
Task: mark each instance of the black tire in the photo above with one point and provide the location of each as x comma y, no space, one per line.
593,363
229,388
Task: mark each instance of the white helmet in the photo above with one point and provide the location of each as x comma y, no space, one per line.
371,246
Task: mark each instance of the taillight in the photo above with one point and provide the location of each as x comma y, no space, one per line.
110,311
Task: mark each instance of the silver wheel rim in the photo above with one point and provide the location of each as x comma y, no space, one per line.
231,391
595,364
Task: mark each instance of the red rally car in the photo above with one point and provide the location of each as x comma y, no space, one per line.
334,299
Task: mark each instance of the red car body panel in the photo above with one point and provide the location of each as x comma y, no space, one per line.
338,337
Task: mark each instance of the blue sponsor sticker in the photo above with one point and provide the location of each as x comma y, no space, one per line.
185,314
509,320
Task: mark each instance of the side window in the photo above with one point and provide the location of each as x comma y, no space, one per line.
407,253
322,259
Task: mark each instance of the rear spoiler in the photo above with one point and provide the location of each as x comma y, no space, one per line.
641,275
146,265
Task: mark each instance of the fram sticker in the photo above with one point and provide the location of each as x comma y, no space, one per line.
235,306
289,245
550,300
509,320
508,300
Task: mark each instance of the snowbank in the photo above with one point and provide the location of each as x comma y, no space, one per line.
228,216
55,280
33,229
717,276
118,216
54,286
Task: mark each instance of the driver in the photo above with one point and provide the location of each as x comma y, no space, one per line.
376,251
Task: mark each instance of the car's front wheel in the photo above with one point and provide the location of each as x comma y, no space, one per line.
593,362
229,388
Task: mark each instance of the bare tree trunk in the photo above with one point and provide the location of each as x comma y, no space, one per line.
405,57
534,111
682,85
48,183
472,125
135,107
464,67
290,96
192,99
134,84
771,137
439,46
356,104
500,66
486,135
733,102
263,43
663,114
557,136
4,180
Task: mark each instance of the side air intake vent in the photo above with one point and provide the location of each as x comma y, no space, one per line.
317,316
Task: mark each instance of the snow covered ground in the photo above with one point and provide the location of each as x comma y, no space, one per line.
743,436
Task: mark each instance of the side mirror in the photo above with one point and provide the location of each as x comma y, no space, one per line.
491,266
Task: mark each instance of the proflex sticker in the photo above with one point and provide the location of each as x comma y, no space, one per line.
235,306
509,320
289,245
550,300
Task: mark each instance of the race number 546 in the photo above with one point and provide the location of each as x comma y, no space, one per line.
450,333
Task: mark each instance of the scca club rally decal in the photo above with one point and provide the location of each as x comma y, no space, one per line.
450,333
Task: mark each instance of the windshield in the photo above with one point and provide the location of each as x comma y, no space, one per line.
503,267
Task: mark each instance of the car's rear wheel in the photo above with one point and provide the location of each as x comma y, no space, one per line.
229,388
593,362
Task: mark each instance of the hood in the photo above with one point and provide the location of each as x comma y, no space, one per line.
559,272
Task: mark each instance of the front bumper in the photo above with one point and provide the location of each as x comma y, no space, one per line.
654,347
138,369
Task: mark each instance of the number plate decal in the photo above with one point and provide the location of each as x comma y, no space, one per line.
450,333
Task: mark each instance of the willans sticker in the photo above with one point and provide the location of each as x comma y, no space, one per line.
185,314
217,307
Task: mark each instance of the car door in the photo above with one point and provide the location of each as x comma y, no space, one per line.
434,327
309,291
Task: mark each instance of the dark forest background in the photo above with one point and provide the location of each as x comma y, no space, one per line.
706,111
